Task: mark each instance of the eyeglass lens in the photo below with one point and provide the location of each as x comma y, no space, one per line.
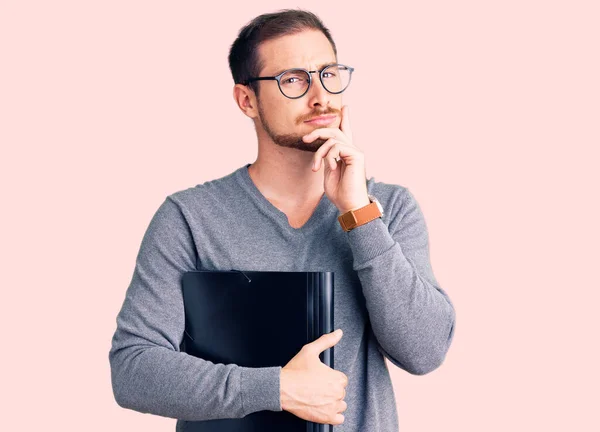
295,82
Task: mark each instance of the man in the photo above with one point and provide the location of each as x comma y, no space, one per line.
304,205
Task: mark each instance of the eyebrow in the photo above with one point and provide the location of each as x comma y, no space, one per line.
318,68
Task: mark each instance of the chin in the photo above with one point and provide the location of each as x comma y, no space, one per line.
318,142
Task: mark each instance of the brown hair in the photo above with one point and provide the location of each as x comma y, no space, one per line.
244,60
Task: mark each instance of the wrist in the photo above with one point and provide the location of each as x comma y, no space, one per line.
283,396
356,206
356,217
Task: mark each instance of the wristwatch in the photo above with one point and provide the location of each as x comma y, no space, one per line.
353,218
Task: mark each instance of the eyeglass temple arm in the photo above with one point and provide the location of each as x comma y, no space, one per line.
258,79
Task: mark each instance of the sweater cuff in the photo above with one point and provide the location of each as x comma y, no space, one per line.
369,240
260,389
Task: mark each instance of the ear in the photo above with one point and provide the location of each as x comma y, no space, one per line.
245,99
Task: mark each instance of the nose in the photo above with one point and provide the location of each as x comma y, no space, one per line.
317,95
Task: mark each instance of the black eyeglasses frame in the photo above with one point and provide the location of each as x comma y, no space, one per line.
309,73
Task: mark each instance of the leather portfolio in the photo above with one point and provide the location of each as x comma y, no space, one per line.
256,319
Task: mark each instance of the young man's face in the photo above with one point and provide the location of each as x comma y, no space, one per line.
283,119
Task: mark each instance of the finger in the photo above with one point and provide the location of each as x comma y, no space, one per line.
325,341
322,152
345,379
333,149
345,123
338,419
324,133
333,155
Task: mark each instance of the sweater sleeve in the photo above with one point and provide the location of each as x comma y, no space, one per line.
412,318
149,372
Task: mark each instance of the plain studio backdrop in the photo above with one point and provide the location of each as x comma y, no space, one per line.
488,111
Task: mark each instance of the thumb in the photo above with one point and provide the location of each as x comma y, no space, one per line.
326,341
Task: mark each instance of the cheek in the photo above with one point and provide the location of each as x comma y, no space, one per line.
287,116
283,115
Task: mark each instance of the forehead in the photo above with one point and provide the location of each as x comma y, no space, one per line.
308,49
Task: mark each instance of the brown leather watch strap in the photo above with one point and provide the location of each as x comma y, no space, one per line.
354,218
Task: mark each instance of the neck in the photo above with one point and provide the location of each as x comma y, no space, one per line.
285,175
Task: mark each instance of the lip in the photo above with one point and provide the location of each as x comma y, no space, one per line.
321,120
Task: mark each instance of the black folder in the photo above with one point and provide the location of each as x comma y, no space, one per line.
256,319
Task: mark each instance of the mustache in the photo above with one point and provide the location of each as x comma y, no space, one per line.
327,111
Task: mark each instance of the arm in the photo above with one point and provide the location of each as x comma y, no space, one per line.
149,372
412,318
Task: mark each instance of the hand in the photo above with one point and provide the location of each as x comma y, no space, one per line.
312,390
345,181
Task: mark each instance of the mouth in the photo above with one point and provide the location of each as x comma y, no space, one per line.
321,120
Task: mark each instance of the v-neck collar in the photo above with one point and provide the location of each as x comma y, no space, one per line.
323,207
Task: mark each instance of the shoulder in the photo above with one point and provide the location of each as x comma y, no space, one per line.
210,193
394,198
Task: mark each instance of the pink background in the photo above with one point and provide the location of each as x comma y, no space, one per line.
490,116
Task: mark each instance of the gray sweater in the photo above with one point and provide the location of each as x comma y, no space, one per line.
387,301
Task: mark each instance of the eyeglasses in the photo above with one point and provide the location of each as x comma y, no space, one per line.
294,83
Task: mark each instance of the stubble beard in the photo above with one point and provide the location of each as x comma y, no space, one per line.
290,140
